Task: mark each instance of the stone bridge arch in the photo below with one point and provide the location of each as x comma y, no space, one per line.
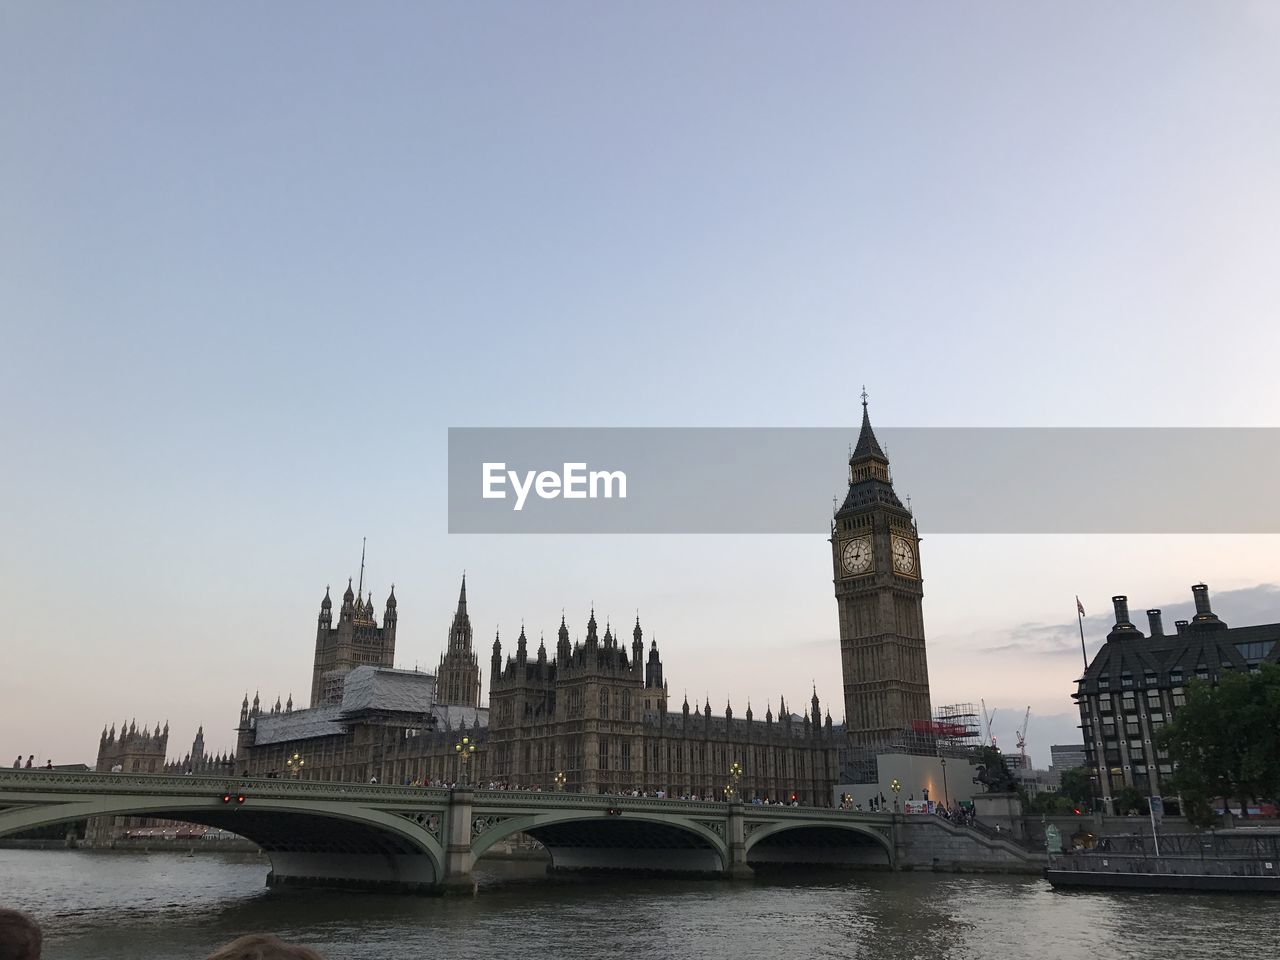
629,840
307,841
823,843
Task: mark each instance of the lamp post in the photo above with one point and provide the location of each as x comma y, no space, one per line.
465,750
946,797
560,779
896,787
295,764
735,777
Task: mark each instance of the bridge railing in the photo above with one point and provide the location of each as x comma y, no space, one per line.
203,784
37,781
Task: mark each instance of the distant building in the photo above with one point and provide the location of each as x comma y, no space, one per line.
1135,684
134,751
1067,756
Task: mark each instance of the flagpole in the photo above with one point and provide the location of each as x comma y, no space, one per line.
1080,620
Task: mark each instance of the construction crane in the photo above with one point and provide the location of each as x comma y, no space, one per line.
987,720
1022,736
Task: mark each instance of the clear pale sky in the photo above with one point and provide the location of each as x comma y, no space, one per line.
256,259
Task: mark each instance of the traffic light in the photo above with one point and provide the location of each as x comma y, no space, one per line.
228,795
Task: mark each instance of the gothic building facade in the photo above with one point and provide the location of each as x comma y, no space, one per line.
593,715
875,557
131,750
458,676
594,718
357,640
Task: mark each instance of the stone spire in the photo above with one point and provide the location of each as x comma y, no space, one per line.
869,480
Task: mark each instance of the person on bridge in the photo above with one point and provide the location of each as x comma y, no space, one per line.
20,936
48,765
263,946
17,764
30,760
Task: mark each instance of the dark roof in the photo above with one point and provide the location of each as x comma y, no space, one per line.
868,445
875,488
1189,651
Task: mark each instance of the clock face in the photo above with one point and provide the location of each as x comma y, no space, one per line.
904,558
856,555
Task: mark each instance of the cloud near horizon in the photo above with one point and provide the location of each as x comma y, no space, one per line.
1245,606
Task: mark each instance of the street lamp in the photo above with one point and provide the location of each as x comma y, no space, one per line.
295,764
896,787
560,779
465,751
735,777
946,797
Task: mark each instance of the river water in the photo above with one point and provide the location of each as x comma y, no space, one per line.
167,906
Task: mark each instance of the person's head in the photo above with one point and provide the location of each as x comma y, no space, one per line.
19,936
263,946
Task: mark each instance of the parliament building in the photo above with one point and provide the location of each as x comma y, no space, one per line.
593,714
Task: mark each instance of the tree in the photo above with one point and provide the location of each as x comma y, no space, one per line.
1128,799
1224,742
1077,786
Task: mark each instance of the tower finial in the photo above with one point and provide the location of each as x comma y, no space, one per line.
864,396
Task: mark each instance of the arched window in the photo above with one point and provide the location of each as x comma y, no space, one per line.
604,703
626,705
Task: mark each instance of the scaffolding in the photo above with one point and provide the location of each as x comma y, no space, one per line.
956,725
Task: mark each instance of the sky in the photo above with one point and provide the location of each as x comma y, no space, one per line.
255,260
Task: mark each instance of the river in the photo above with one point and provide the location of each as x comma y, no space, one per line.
167,906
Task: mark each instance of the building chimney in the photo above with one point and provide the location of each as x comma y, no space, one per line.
1154,621
1205,618
1180,625
1123,627
1201,593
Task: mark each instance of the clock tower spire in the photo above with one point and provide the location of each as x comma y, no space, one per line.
879,598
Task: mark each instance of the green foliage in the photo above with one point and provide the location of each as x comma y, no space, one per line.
1077,785
1224,741
1128,800
1046,804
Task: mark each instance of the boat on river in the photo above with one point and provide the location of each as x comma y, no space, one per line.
1243,860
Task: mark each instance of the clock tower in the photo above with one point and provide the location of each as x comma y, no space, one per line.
875,557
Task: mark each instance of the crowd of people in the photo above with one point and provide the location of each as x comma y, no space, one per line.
21,939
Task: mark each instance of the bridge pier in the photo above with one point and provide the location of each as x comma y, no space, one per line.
736,866
458,858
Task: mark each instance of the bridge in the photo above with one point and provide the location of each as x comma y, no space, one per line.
428,840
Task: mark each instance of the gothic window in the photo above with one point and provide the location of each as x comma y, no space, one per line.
626,706
604,703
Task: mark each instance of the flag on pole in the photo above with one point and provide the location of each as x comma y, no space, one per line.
1079,607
